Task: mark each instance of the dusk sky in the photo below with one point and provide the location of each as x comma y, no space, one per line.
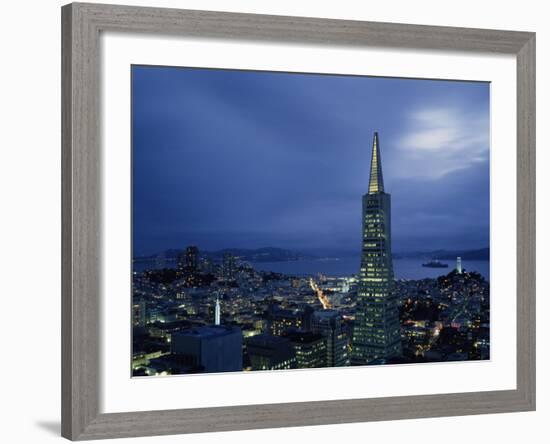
241,159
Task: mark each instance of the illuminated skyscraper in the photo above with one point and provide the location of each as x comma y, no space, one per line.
188,265
192,258
459,265
376,333
329,324
228,267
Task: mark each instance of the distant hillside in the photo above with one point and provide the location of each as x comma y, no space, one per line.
273,254
482,254
267,254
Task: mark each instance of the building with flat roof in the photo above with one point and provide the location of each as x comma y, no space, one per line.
267,352
210,348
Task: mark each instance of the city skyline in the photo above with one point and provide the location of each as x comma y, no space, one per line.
294,146
207,314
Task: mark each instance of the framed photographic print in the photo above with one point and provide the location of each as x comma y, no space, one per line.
278,221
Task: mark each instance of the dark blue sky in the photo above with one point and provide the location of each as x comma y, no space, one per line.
251,159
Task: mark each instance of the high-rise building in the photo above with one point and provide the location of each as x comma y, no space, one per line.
188,261
376,332
188,265
192,258
209,349
310,349
267,352
228,267
329,324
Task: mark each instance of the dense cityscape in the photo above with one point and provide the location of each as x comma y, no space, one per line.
210,315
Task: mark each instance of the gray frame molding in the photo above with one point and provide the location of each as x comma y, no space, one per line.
81,166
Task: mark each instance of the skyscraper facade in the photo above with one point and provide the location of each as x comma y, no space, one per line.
310,349
228,267
188,265
329,324
192,258
376,332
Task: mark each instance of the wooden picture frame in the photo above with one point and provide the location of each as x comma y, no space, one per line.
81,172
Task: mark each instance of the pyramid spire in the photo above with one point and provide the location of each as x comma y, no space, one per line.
376,182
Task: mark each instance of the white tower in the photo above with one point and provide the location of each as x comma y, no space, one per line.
459,265
217,312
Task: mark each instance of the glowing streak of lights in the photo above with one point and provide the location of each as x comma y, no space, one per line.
320,295
420,350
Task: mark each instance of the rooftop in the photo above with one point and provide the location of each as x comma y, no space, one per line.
207,331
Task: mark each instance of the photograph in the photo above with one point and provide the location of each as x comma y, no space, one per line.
274,222
302,221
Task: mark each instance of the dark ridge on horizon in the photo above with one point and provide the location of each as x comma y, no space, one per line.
275,254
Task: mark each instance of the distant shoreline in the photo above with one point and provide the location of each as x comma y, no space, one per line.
405,268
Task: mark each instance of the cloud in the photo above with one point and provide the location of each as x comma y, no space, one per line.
439,141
